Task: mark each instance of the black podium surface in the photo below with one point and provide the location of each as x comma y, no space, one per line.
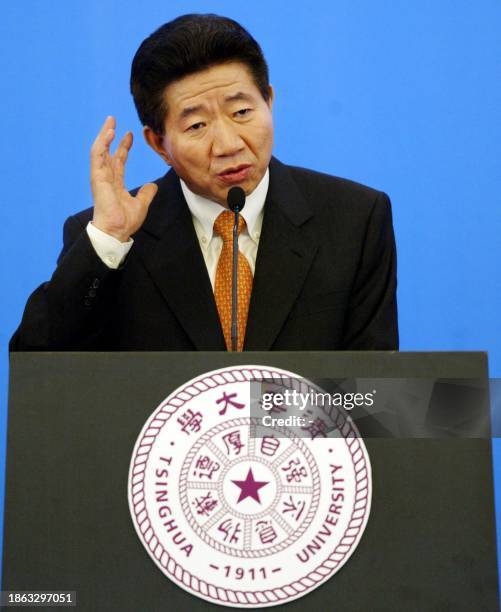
74,418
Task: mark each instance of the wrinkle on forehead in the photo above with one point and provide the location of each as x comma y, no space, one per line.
189,95
186,91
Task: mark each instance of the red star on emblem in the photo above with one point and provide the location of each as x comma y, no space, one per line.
249,487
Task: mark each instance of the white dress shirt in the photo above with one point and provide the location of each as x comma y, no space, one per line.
204,212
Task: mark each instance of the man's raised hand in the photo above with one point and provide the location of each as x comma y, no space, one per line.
116,212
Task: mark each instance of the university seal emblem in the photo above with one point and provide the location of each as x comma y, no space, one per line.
239,501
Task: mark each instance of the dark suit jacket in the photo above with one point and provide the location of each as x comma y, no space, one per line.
325,277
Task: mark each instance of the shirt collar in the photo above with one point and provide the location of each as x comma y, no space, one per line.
205,211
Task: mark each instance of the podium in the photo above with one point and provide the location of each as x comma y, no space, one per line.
430,542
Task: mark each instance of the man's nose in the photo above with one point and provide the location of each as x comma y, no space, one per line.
225,139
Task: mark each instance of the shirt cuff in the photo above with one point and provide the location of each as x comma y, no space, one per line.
110,251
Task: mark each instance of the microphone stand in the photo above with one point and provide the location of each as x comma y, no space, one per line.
236,202
234,285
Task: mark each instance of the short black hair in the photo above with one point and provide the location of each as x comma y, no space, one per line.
186,45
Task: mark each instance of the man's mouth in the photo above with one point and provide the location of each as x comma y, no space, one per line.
235,174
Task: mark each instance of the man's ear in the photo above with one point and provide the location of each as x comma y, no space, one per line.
156,142
271,98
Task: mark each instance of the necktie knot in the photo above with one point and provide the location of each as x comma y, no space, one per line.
223,225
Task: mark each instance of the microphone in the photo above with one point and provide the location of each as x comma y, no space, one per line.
236,201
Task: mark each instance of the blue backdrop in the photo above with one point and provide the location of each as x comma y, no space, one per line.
402,96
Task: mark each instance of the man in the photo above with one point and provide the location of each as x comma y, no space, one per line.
149,270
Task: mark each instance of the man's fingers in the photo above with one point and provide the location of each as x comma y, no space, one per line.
109,124
146,194
120,157
105,132
101,144
125,144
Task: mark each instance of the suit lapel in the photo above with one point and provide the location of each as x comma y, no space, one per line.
286,251
169,249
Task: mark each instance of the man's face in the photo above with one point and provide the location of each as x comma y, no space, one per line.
218,131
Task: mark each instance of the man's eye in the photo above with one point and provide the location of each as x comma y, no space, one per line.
196,126
243,112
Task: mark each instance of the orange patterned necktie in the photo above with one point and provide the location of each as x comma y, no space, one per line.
223,226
